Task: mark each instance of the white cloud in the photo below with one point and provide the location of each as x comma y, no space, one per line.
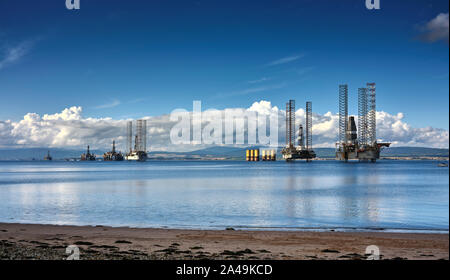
11,55
264,107
285,60
436,29
70,129
112,104
253,90
263,79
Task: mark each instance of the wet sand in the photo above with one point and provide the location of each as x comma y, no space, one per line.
29,241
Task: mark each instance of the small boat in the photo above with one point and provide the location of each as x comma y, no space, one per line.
443,164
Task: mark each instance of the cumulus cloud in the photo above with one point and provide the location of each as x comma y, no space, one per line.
436,29
65,129
70,129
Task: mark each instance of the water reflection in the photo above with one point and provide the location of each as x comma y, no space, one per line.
183,194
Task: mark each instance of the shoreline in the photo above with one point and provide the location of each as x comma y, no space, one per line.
38,241
257,228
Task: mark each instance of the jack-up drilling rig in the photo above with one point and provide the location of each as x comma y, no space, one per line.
139,152
292,152
358,144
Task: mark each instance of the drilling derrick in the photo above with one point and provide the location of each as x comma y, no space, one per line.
362,117
141,135
343,112
129,137
290,123
371,118
308,126
361,143
292,152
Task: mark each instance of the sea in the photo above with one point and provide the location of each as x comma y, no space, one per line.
389,195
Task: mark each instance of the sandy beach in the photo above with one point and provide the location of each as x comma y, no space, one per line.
30,241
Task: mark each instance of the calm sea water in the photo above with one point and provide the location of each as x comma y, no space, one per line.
390,195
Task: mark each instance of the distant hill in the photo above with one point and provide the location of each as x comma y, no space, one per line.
328,152
414,151
218,152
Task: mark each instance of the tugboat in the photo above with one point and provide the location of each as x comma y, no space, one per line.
48,156
113,155
87,156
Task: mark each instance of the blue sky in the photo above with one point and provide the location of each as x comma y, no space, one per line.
125,59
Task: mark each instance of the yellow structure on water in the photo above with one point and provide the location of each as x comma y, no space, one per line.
254,155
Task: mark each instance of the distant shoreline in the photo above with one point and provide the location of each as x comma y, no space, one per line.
217,153
406,158
36,241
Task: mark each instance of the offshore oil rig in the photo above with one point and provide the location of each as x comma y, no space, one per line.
48,156
358,144
87,156
113,155
292,152
138,153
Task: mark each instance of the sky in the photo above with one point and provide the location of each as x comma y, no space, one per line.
115,60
